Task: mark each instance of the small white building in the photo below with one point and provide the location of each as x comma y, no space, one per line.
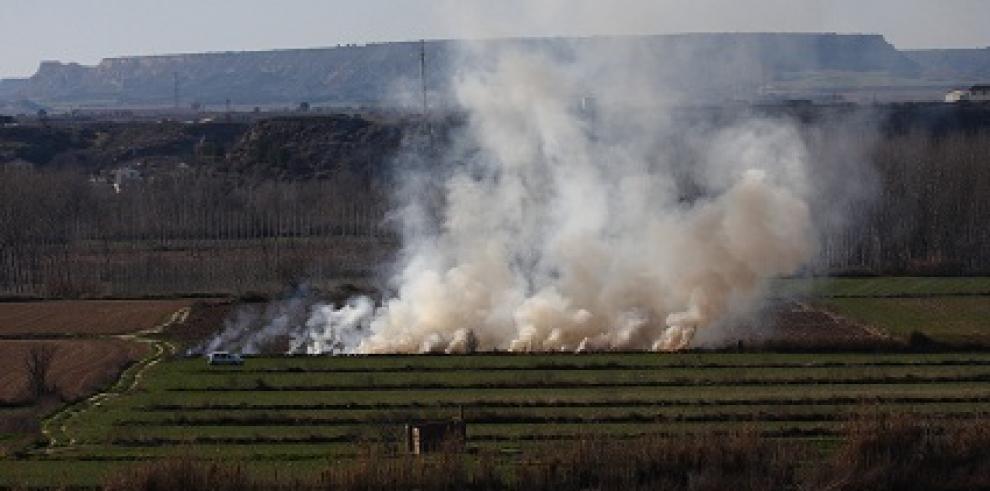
123,175
976,93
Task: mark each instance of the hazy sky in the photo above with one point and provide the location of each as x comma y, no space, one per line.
87,30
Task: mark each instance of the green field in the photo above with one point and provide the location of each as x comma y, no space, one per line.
887,286
960,320
304,411
953,311
297,415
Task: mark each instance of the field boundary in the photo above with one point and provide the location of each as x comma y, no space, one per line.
56,426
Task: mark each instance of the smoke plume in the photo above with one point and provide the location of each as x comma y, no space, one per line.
569,228
577,213
577,210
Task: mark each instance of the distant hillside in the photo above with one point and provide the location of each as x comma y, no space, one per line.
955,64
11,86
718,66
351,75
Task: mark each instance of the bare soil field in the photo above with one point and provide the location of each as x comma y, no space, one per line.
84,317
205,319
79,368
804,325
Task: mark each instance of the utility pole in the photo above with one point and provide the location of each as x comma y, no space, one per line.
422,73
175,76
426,107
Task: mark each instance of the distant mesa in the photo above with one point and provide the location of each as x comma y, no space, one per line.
713,67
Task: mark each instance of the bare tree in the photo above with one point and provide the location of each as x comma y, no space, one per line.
37,365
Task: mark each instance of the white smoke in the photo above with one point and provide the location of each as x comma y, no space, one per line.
560,232
579,214
333,330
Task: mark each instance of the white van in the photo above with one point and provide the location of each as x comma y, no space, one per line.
224,358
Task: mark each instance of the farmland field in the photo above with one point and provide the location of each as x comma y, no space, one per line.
76,349
79,368
293,415
83,317
953,311
900,286
954,320
305,410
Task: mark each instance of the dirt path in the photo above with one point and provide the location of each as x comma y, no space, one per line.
57,427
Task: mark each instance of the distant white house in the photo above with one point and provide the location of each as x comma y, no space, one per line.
976,93
122,175
957,96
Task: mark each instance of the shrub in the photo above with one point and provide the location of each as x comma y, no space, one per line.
182,475
904,453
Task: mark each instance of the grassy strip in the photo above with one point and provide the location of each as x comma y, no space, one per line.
275,421
542,378
248,440
490,432
904,286
594,367
584,394
951,321
245,406
909,379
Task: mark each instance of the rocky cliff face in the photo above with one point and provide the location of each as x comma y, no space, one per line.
385,73
352,75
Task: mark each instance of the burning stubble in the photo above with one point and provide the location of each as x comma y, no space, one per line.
568,229
558,238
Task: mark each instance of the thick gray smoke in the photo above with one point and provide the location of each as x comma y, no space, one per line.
572,224
580,211
569,230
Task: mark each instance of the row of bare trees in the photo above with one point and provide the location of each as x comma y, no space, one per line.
926,213
923,210
62,234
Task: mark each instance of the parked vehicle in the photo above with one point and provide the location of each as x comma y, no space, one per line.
224,358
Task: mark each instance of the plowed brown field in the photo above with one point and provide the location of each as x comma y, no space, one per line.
80,366
84,317
802,325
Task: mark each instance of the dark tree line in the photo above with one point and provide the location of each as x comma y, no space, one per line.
64,235
923,211
927,213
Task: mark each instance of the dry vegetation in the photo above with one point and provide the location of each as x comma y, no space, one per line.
876,454
78,367
84,317
802,326
38,377
205,319
899,453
